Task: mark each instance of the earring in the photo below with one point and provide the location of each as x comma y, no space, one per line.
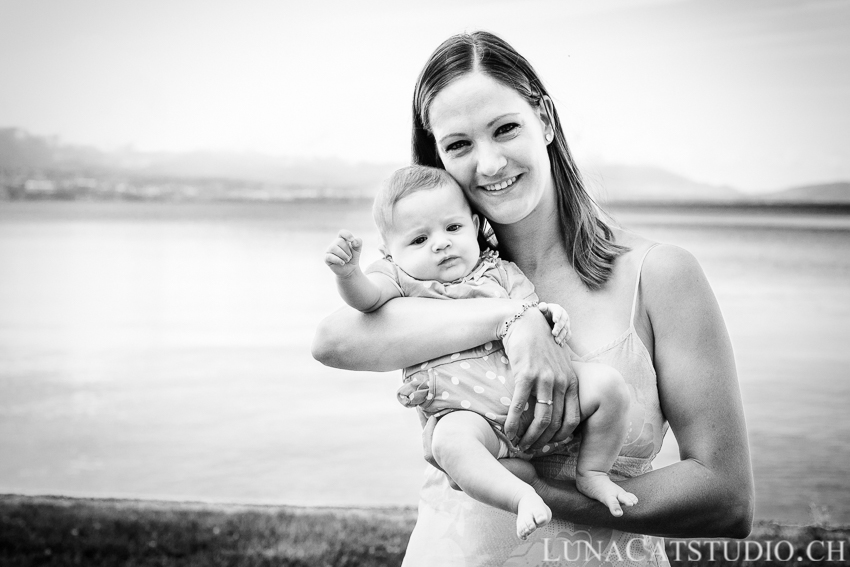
549,137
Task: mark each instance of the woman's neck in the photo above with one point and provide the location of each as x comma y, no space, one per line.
534,242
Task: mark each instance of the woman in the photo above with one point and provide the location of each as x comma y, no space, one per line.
481,112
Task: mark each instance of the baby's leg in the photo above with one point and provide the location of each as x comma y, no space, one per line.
465,446
604,400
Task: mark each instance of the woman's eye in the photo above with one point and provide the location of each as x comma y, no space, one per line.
418,240
455,146
453,227
509,128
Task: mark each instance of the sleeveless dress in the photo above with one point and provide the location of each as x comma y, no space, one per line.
452,529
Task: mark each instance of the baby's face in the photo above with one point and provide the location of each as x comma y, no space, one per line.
434,234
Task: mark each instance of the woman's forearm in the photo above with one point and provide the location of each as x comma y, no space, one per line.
406,331
682,500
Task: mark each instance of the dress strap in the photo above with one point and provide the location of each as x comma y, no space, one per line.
637,283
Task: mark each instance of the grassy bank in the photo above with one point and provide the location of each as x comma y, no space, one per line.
65,531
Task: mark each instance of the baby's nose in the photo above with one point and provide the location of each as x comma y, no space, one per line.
441,244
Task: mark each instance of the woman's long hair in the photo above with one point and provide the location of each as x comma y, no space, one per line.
588,238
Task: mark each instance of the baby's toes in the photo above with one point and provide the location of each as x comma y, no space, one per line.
532,513
542,517
525,529
613,506
627,498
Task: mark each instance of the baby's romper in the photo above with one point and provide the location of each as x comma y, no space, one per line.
478,379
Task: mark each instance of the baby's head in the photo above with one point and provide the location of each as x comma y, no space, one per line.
427,225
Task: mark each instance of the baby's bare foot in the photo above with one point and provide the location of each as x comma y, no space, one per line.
598,486
532,513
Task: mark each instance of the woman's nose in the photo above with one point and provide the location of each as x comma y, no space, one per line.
490,159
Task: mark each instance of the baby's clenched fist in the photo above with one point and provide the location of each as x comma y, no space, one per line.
343,255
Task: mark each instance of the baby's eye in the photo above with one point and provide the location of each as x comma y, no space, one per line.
509,128
454,227
418,240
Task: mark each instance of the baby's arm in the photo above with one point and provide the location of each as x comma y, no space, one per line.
362,292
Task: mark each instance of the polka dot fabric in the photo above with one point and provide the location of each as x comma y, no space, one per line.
478,380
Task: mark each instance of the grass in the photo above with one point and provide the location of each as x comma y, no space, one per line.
65,531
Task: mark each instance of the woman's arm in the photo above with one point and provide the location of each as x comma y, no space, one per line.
411,330
710,492
407,331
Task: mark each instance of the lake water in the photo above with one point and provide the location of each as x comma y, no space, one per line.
156,350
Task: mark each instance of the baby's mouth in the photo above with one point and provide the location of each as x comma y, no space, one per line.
447,259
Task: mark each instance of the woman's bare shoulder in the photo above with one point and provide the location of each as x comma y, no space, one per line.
669,272
676,291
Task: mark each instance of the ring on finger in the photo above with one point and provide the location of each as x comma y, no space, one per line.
547,402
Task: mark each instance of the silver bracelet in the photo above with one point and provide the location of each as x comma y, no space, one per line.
504,332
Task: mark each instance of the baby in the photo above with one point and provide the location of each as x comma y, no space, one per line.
431,236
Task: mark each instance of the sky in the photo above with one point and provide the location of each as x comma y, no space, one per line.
747,93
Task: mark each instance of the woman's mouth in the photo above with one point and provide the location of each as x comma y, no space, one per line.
503,184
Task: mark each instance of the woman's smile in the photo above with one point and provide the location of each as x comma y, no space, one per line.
498,186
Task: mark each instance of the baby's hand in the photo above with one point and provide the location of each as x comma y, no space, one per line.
560,321
343,255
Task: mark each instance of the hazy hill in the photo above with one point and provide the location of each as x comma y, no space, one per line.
20,151
254,175
838,192
635,183
257,167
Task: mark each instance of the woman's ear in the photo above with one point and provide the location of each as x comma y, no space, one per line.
545,111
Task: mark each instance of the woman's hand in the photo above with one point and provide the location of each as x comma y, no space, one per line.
543,369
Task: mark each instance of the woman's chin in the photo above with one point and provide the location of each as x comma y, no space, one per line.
506,208
506,215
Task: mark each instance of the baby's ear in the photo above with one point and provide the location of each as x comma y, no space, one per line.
475,221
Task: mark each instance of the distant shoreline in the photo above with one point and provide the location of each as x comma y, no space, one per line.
749,205
303,212
730,206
